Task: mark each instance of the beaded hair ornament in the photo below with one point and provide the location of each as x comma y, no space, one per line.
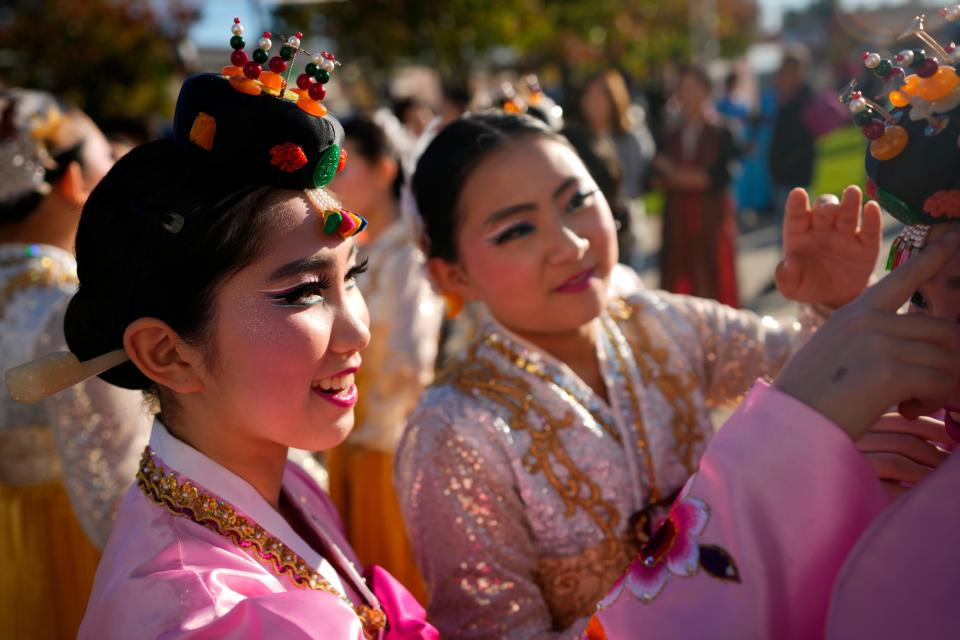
251,123
915,143
28,120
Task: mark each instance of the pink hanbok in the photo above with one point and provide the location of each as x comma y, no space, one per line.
196,552
786,533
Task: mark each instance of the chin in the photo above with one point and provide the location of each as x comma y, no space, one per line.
324,433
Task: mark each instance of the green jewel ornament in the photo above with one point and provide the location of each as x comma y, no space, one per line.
326,167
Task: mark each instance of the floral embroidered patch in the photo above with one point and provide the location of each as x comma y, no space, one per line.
673,550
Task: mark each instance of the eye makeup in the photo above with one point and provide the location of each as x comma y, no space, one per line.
310,293
580,199
519,229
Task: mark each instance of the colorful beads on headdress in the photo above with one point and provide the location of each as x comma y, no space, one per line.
249,76
907,245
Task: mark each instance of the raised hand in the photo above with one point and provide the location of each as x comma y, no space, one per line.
829,251
867,358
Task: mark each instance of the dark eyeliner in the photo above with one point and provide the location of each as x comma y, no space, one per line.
516,231
579,199
290,298
358,270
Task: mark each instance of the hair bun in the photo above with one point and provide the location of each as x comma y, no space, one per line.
92,330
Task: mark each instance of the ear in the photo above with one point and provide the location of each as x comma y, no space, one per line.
387,169
160,353
72,185
450,277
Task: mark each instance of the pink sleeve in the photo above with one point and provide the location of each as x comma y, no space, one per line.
753,546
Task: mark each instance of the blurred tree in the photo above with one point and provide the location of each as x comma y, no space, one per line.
580,35
111,58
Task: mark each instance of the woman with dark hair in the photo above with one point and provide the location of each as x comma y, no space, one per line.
611,121
540,460
697,255
80,447
404,335
219,277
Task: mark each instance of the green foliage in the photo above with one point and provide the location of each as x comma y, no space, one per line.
581,36
839,161
109,57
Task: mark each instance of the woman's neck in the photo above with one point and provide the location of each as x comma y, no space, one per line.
382,212
51,223
258,462
577,349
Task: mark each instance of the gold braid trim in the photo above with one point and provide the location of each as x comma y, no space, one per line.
184,499
47,274
478,377
679,389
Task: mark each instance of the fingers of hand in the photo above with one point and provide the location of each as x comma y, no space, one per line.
924,427
796,216
893,466
908,446
848,212
917,407
897,287
825,213
920,390
871,226
873,325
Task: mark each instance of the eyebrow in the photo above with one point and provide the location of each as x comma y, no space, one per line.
514,209
308,265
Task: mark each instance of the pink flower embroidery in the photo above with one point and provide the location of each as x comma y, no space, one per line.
673,550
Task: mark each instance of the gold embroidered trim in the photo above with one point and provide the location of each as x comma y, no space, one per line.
679,389
535,368
47,274
186,500
478,376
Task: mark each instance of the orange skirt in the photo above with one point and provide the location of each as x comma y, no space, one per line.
48,565
361,485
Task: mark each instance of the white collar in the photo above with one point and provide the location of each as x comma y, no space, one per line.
187,461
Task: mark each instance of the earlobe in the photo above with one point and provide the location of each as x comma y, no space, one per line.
449,277
159,352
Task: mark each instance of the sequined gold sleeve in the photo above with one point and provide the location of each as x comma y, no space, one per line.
731,348
100,431
468,524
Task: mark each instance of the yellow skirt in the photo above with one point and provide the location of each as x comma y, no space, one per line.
48,565
361,485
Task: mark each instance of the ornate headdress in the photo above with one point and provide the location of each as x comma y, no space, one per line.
911,162
28,120
249,123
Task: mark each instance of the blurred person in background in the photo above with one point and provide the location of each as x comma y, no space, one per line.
80,445
414,113
607,113
405,332
697,256
792,148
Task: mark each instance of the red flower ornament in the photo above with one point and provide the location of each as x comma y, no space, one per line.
287,157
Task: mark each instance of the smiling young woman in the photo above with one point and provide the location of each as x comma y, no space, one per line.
534,468
224,276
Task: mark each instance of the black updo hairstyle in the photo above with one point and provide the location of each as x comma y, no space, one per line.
156,237
371,144
447,163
